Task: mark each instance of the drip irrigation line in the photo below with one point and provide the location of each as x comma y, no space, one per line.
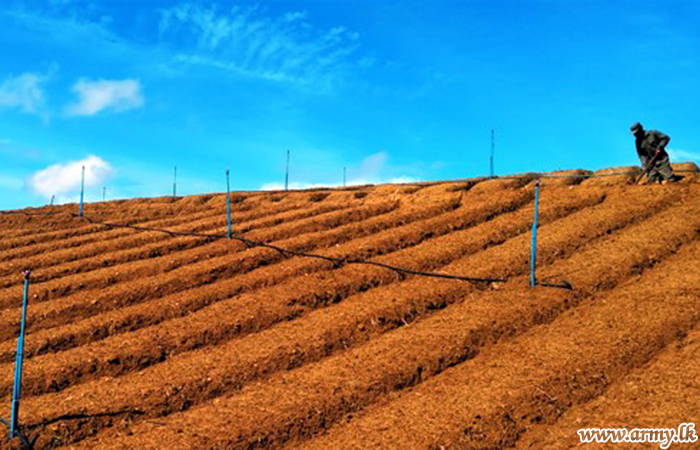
563,285
337,262
26,442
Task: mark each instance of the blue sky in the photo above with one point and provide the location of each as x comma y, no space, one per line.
393,91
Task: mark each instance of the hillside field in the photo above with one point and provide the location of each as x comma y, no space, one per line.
138,338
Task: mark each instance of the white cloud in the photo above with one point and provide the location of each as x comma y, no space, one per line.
24,92
105,95
280,186
372,166
683,155
286,48
372,170
63,180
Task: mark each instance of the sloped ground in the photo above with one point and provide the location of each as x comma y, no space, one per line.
141,339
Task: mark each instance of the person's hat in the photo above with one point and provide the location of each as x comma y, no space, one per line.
636,127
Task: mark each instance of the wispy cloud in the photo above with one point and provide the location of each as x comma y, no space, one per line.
63,180
105,95
24,92
683,155
249,42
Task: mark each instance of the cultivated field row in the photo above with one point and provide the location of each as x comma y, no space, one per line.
297,404
379,240
192,223
386,242
62,220
140,246
255,319
149,340
660,394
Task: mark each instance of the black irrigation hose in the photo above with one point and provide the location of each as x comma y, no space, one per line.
337,262
24,440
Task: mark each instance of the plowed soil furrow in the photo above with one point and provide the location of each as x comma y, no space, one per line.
301,403
9,242
166,281
140,209
435,223
411,287
160,216
156,341
244,315
26,225
138,246
46,241
108,276
83,227
112,239
18,229
661,395
82,236
491,400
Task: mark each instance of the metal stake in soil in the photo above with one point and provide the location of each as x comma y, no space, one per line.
533,253
175,182
286,176
20,356
228,207
82,191
493,146
13,425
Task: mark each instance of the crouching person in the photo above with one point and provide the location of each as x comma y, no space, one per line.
651,149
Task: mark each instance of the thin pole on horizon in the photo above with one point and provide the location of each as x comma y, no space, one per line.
82,191
229,233
104,193
175,182
493,147
533,248
286,176
343,176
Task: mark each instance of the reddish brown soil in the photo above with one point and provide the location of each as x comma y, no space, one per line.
138,339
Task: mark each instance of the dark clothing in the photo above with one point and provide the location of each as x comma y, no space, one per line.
648,143
660,170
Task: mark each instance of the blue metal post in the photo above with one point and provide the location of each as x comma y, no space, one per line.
493,146
18,363
286,176
82,191
228,207
533,253
175,182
